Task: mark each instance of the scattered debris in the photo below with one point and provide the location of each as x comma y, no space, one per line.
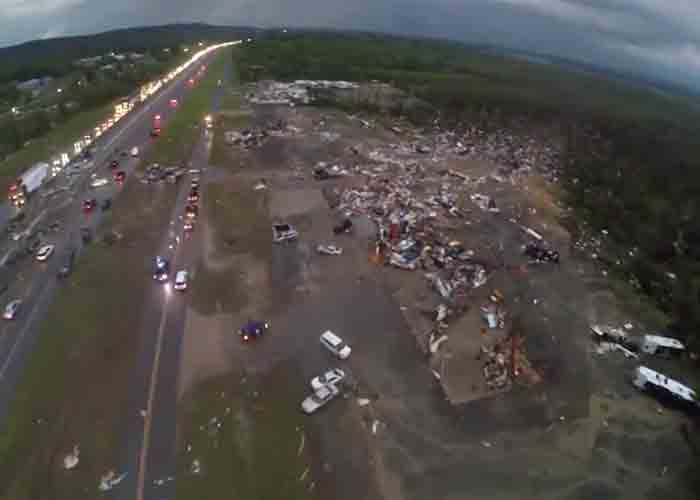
71,460
329,250
110,480
284,232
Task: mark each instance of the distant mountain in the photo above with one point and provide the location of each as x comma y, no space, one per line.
51,56
599,70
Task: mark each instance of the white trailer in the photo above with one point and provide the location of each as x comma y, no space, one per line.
664,346
29,182
657,383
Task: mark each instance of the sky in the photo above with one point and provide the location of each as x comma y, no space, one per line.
657,38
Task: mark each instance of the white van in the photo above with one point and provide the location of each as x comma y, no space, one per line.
335,344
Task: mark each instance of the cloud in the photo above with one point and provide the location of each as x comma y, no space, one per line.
26,8
655,37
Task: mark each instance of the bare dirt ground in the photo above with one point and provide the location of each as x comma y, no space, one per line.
581,432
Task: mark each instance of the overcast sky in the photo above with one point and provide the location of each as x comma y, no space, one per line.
658,37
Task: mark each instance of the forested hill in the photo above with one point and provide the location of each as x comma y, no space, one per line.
52,57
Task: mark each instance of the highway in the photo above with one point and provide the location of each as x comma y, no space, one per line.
151,440
36,283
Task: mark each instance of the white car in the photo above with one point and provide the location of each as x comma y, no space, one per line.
329,250
99,182
44,253
335,344
181,279
134,151
11,309
319,398
331,377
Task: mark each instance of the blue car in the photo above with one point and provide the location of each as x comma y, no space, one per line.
253,329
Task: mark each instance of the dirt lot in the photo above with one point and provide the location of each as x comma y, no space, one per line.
571,427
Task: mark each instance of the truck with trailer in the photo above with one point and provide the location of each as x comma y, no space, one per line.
28,183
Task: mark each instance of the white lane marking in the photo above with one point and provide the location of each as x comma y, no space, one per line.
143,457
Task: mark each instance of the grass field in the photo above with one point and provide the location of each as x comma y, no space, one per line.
58,140
73,389
239,221
244,439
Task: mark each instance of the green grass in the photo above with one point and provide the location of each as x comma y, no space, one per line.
238,217
74,388
249,439
58,140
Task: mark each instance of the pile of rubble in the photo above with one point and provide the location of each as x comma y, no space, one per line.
297,92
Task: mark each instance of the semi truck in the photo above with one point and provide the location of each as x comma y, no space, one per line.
28,183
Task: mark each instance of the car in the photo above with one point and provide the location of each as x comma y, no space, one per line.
335,344
155,132
173,103
253,329
191,211
181,279
44,253
188,226
195,183
123,153
134,151
99,182
329,250
89,205
119,176
85,234
162,270
194,171
11,309
193,197
319,398
331,377
106,204
113,164
65,270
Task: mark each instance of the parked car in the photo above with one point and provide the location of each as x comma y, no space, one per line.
253,329
335,344
181,280
331,377
319,398
11,309
44,253
119,176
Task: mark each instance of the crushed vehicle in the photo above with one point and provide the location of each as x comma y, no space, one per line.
319,398
329,250
665,388
253,329
331,377
284,232
660,345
